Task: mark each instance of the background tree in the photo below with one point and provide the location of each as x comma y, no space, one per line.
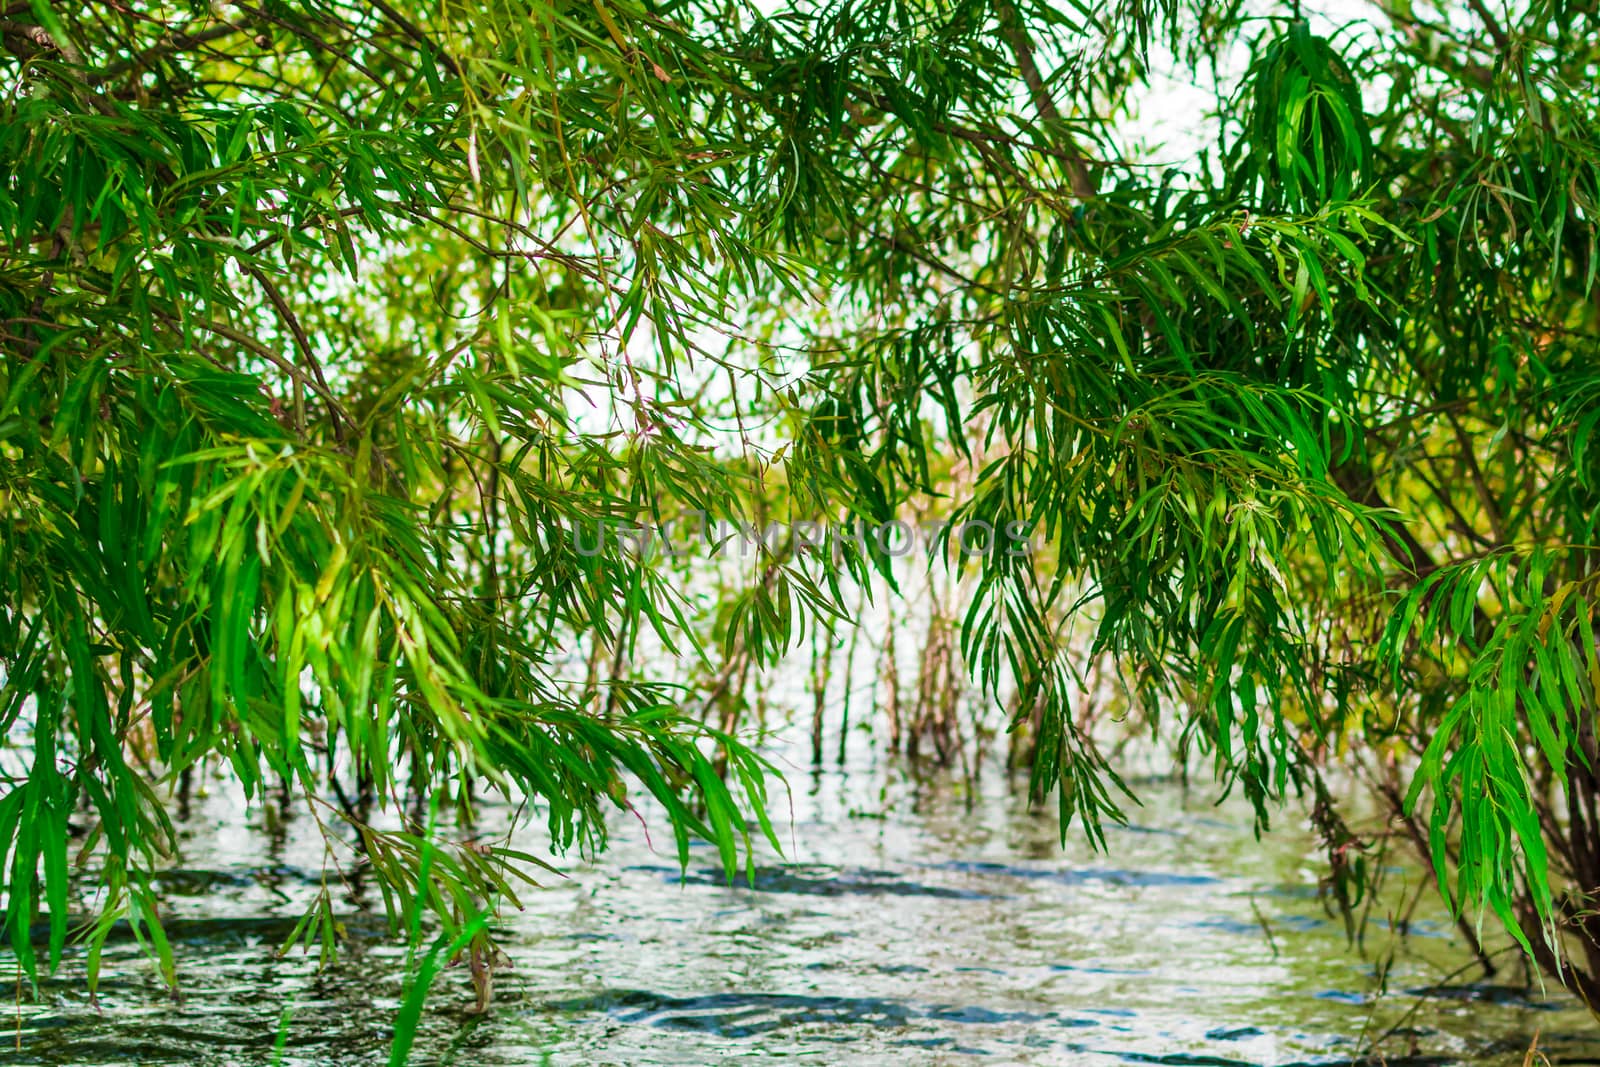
324,324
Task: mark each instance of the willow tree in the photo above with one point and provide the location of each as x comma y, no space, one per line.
324,324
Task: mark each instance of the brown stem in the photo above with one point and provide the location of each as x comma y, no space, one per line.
176,42
411,30
1016,36
303,343
1419,841
1480,486
1490,23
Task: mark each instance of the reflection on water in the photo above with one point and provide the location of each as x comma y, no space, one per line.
907,926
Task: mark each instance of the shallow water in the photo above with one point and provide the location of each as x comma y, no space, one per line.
906,925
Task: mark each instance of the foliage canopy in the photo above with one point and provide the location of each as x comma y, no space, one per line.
323,324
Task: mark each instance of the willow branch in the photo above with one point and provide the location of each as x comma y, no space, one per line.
174,44
411,30
1016,36
303,343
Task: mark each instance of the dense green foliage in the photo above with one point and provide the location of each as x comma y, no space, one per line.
324,324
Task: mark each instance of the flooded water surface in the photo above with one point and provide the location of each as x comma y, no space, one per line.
907,923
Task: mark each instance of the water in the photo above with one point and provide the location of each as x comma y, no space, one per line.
908,926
